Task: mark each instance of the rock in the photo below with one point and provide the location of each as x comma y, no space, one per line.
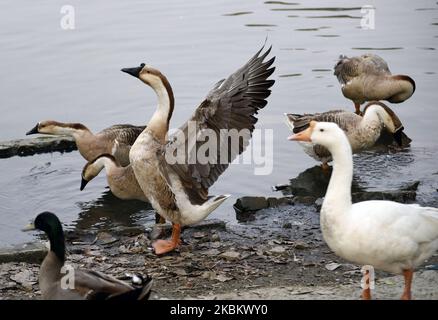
245,207
411,187
215,237
307,200
250,204
287,225
311,182
199,235
28,252
300,245
397,196
27,147
230,255
276,202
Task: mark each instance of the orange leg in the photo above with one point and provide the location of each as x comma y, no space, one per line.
408,274
164,246
357,106
366,293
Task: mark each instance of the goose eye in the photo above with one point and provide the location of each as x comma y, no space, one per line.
321,130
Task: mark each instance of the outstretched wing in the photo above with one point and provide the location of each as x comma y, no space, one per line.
231,105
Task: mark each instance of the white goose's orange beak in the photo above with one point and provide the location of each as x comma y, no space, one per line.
304,135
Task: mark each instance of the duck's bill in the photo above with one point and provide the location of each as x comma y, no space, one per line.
29,227
135,72
302,136
83,184
34,130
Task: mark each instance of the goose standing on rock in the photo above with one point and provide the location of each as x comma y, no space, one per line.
179,191
115,140
387,235
367,78
87,284
362,132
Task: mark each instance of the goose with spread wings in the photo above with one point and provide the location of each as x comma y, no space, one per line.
169,171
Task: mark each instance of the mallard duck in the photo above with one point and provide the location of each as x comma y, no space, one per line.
115,140
387,235
178,191
87,284
367,78
362,132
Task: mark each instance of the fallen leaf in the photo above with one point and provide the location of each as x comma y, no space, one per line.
332,266
230,255
223,278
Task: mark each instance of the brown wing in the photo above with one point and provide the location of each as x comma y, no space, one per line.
93,283
349,68
124,133
231,104
344,119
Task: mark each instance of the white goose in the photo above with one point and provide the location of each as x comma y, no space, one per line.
390,236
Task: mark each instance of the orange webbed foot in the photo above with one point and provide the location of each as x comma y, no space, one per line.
164,246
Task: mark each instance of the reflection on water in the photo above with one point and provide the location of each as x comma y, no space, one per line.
74,76
108,211
337,16
240,13
317,9
260,25
282,2
376,49
290,75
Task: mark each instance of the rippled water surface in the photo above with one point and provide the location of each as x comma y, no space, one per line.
73,76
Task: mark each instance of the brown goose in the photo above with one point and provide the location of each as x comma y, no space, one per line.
178,190
87,284
121,180
362,132
367,78
115,140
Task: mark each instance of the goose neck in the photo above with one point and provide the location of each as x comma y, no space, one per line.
338,193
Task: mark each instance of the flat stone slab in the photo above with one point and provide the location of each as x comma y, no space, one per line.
28,147
27,252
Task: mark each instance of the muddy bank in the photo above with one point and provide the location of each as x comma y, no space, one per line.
280,247
28,147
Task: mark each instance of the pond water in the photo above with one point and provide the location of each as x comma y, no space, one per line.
74,76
